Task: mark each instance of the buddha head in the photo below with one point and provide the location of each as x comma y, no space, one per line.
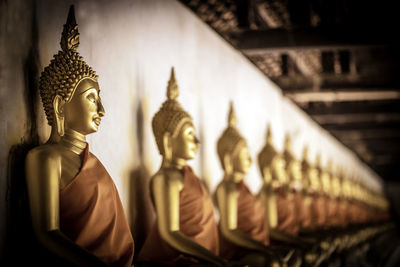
293,166
315,182
305,168
357,190
173,128
346,187
271,163
337,183
69,89
326,178
232,148
310,173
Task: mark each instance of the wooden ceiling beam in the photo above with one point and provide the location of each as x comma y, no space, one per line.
334,82
343,96
376,106
367,134
361,126
357,118
255,42
377,151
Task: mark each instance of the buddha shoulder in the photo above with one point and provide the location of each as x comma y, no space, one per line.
44,154
168,177
227,187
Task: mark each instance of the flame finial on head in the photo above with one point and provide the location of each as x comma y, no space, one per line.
232,121
269,134
288,142
70,34
318,160
172,89
329,165
305,153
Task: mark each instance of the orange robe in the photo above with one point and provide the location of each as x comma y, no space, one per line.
287,221
250,221
318,210
343,214
91,214
334,209
352,212
196,222
331,218
303,212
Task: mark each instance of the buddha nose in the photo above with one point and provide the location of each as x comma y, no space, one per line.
197,141
250,161
100,109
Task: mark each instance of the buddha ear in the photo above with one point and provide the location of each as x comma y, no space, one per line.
228,165
58,105
167,145
267,174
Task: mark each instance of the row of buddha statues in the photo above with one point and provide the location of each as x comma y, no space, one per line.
301,215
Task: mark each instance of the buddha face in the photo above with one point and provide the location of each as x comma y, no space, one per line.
314,181
295,171
83,113
279,166
336,186
326,183
345,188
241,160
185,144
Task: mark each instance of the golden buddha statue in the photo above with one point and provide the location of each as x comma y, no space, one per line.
294,173
336,199
336,186
310,179
346,199
272,165
315,205
352,205
243,233
277,199
321,185
328,177
275,194
292,167
337,192
314,180
185,231
75,207
313,191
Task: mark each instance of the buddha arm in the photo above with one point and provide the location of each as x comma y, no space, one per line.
268,198
166,190
43,172
227,202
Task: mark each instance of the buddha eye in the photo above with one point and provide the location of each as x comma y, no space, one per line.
92,98
190,136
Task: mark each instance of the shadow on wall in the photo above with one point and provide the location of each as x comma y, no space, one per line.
141,210
21,246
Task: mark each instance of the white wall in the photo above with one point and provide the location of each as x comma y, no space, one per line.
133,44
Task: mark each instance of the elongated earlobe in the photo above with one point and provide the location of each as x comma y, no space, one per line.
58,105
167,147
228,164
267,174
